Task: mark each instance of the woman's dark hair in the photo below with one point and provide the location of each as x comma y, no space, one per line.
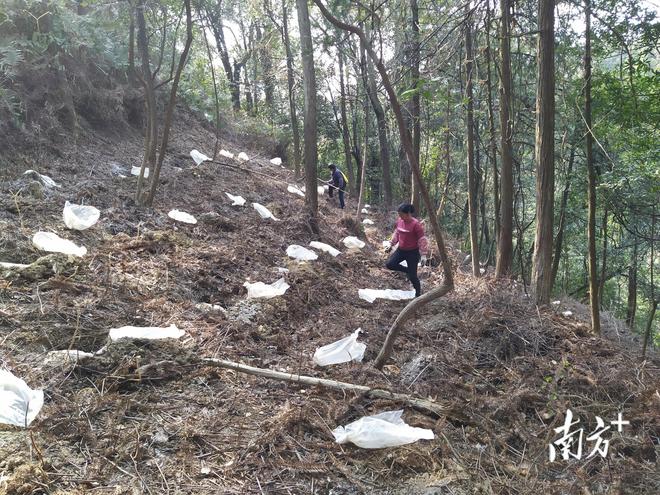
332,166
406,208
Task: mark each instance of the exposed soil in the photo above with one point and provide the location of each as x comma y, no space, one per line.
504,371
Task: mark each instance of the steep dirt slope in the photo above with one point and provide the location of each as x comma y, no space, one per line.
504,372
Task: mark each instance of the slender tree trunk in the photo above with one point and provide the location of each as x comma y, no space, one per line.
448,283
215,94
290,86
345,134
632,289
445,191
562,216
382,135
603,268
171,104
505,240
310,134
544,154
591,227
471,172
416,106
491,127
654,301
365,150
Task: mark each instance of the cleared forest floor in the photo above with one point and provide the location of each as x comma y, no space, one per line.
503,371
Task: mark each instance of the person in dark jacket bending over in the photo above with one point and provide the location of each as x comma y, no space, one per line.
338,182
409,234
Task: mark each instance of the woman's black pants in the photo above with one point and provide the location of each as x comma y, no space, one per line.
412,258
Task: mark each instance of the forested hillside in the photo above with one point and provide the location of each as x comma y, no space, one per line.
525,135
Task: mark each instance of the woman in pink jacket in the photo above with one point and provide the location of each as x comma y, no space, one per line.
409,234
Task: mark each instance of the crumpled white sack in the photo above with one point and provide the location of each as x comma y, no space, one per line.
264,212
19,404
261,290
80,217
199,157
370,295
242,157
53,243
236,200
325,247
367,206
301,253
276,161
364,211
149,333
226,154
136,171
567,313
368,221
341,351
386,429
295,190
182,216
44,179
321,190
353,242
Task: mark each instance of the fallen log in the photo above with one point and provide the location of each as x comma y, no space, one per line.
423,405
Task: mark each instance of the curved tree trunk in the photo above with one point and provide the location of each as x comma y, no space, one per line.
448,283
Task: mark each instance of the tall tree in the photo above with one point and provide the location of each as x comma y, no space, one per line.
345,134
415,108
544,153
310,130
505,240
594,301
471,171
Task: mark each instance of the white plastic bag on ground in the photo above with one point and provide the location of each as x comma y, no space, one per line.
320,190
387,244
341,351
80,217
295,190
276,161
66,356
242,157
149,333
236,200
210,308
46,181
370,295
353,242
136,171
382,430
301,253
325,247
53,243
199,157
19,404
367,206
182,216
226,154
368,221
261,290
364,211
264,212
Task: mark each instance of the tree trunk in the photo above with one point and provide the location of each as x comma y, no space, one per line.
365,150
445,191
345,134
505,240
311,152
654,301
415,109
290,86
448,283
591,224
603,267
491,127
471,172
562,216
632,289
544,154
215,94
382,135
171,104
